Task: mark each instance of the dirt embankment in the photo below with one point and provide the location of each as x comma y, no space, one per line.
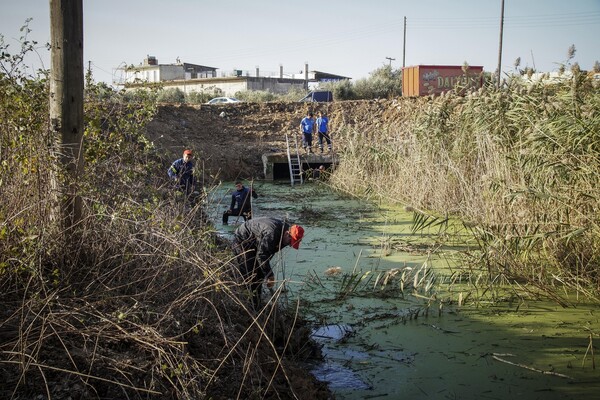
230,139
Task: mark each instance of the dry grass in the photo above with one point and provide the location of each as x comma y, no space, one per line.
141,300
142,304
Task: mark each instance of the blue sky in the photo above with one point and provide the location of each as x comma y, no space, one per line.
345,37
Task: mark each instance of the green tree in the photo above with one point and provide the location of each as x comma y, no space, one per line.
383,82
171,96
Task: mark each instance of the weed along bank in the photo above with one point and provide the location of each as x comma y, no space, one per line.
382,303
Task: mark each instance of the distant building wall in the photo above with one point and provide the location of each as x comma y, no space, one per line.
153,74
274,85
171,72
148,74
226,86
191,78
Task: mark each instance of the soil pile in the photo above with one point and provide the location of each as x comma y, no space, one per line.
229,140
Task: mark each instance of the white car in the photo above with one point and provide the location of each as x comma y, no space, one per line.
224,100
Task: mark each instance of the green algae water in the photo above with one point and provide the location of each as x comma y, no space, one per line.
385,303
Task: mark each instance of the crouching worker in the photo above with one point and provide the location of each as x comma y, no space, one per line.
255,242
241,204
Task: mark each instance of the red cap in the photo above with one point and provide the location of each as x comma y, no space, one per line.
296,233
187,152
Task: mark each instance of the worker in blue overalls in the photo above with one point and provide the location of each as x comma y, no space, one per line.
241,204
308,127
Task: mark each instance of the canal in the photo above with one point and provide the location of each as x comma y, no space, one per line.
398,317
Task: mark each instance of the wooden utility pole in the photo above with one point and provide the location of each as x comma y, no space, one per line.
404,46
500,46
66,100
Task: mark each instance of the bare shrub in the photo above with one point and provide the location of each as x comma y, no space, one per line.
142,302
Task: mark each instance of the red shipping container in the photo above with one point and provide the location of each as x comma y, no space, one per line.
424,80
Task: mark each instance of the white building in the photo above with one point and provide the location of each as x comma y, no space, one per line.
150,71
199,78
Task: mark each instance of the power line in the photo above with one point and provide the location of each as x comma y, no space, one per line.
573,19
320,41
98,67
492,19
396,27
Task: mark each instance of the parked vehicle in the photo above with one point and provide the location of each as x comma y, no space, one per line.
424,80
223,100
320,96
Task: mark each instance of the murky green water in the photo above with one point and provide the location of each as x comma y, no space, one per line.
384,342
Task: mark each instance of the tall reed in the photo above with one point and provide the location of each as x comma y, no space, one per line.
520,164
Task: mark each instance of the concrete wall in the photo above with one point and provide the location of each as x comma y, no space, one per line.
227,86
154,73
274,85
276,166
171,72
230,86
147,74
224,87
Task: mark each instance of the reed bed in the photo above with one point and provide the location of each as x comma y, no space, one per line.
518,165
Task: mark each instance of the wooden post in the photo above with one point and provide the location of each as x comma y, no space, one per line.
306,75
66,100
500,45
404,46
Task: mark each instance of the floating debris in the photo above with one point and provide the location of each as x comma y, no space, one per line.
332,271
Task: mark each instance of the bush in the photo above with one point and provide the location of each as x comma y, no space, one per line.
382,83
342,90
171,96
256,96
199,97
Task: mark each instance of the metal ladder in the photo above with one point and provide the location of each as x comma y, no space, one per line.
294,161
